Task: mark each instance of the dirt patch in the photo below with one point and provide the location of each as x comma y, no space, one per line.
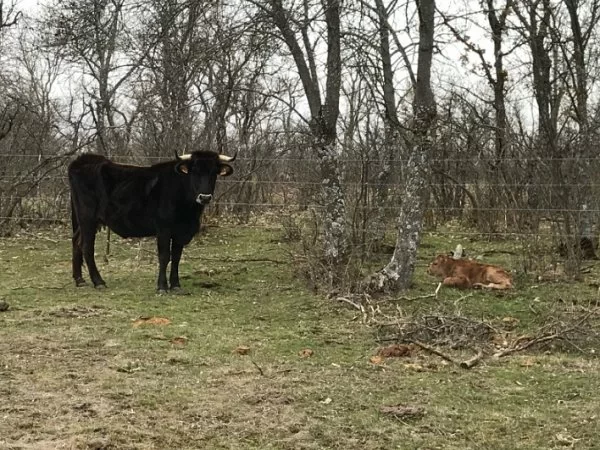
403,412
78,312
150,321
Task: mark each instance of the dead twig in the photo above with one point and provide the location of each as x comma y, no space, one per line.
563,334
460,299
419,297
257,367
468,364
435,351
237,260
351,303
526,345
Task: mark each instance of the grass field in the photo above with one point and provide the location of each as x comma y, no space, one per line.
77,371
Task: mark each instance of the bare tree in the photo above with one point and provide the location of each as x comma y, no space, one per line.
536,17
9,15
397,274
33,147
294,29
94,33
494,198
495,72
173,65
558,72
576,57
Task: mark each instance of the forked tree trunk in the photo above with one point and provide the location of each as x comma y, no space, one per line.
398,272
323,113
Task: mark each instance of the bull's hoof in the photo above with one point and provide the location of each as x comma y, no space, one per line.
178,290
161,292
79,282
100,286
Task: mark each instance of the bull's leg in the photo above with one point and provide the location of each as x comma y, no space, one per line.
88,239
77,258
163,242
176,250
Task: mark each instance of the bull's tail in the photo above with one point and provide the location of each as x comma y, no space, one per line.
75,223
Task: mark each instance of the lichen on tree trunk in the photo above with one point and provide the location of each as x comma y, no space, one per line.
397,274
334,214
381,196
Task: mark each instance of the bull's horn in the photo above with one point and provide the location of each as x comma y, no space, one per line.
226,159
182,157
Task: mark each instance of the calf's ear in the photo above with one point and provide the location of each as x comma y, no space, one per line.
225,170
182,168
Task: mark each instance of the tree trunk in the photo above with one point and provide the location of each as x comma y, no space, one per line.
334,214
579,77
324,115
398,272
392,123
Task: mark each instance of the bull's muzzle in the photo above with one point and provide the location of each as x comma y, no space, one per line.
204,199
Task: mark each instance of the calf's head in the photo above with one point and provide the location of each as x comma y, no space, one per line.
439,266
201,170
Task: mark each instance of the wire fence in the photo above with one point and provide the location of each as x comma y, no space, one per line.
470,159
283,192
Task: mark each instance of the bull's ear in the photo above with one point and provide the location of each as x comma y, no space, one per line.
182,168
225,170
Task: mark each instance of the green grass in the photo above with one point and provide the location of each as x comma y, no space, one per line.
76,374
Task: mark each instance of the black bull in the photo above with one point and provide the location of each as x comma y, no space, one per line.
165,200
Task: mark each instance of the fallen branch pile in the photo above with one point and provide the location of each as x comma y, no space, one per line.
575,328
